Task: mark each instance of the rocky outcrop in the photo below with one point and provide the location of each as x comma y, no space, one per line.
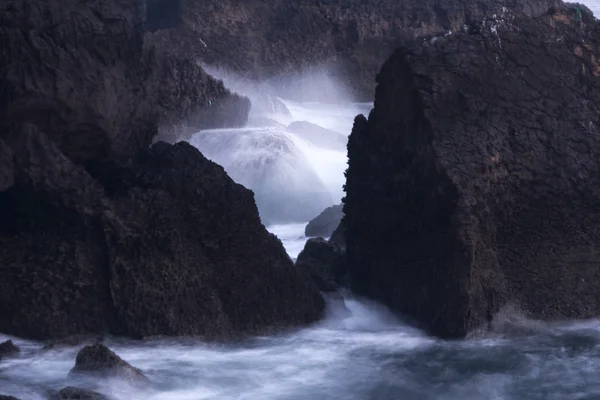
8,350
84,74
75,393
100,361
325,223
325,262
350,38
3,397
100,232
474,182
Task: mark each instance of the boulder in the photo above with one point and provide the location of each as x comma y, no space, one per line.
347,40
325,262
75,393
318,136
8,350
325,223
99,361
474,183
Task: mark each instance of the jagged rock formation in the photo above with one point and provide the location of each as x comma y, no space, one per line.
8,349
84,74
351,38
101,233
100,361
325,223
475,181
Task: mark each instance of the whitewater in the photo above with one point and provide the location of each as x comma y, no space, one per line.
360,350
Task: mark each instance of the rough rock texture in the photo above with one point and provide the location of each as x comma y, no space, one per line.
171,247
325,223
475,181
350,37
325,262
8,349
100,361
101,233
82,72
75,393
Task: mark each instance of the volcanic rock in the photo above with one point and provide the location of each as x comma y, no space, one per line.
8,349
475,181
325,223
100,361
102,233
350,39
325,262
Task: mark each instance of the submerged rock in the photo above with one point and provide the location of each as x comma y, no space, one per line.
475,181
75,393
8,349
325,223
100,361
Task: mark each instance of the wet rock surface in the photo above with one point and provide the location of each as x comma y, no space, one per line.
474,182
325,223
325,262
350,38
99,361
102,233
8,350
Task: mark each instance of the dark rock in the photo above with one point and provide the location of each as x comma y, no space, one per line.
7,172
474,182
8,350
319,136
75,393
325,223
101,233
100,361
3,397
176,249
325,262
84,75
348,38
338,237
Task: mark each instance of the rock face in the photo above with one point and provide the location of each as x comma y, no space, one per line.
84,73
99,231
325,262
474,182
325,223
100,361
351,38
8,349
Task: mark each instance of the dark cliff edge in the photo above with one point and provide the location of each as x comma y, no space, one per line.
474,183
349,38
103,232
